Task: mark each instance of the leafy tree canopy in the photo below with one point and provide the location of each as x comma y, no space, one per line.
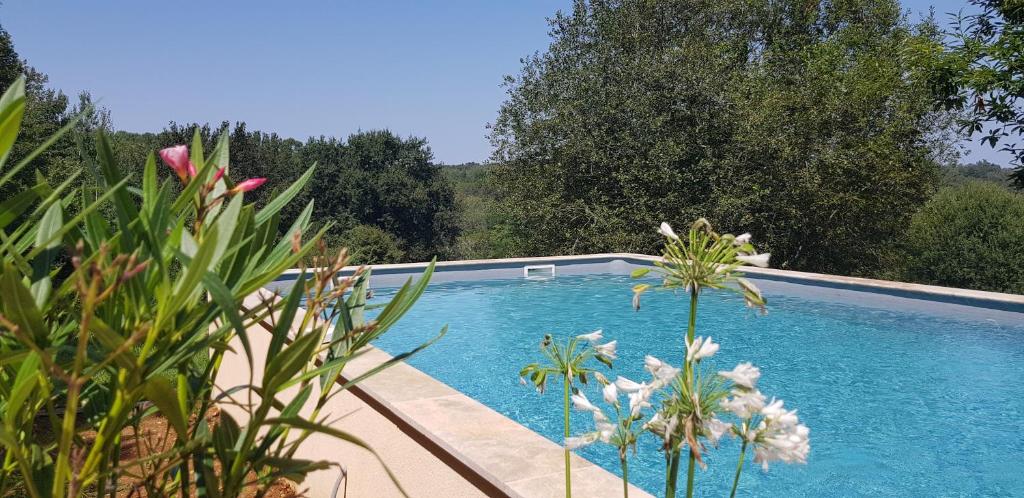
978,73
804,123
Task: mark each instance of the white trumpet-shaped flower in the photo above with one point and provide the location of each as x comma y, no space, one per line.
744,374
662,372
577,442
638,401
611,394
744,403
760,260
667,231
593,337
627,386
714,429
780,436
607,349
742,239
580,402
700,348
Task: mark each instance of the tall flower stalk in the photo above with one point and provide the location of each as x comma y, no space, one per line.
624,432
570,363
702,260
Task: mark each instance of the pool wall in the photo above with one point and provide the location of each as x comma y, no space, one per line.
944,301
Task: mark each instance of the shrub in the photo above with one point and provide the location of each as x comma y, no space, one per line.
370,245
969,236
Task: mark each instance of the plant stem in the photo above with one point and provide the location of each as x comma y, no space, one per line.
625,477
568,478
689,477
739,469
690,332
673,472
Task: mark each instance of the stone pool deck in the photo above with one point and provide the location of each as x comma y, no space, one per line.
438,441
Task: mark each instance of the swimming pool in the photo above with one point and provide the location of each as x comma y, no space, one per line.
903,396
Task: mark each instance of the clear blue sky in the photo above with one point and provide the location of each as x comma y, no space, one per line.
430,69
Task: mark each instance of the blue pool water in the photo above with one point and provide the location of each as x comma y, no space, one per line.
899,403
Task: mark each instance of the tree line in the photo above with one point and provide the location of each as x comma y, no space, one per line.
828,129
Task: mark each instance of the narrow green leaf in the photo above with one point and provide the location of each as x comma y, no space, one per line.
19,307
12,109
640,272
158,390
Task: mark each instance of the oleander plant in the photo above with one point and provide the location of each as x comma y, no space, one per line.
119,299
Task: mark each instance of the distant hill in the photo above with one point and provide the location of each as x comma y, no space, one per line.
977,171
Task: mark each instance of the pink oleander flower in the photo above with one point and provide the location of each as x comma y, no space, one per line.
248,185
177,158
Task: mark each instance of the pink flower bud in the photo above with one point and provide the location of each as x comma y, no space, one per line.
218,175
177,158
247,185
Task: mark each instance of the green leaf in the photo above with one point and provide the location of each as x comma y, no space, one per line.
284,198
12,208
187,288
289,361
197,149
640,272
19,307
221,159
48,226
12,109
25,382
226,222
222,296
158,390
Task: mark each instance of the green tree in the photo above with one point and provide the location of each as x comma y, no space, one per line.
979,74
969,236
805,123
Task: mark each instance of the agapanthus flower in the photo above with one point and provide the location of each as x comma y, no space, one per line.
666,230
700,348
780,436
744,403
593,337
714,429
580,402
662,372
628,386
607,350
576,442
749,287
639,400
760,260
611,394
744,374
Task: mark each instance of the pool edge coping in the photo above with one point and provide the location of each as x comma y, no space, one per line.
474,471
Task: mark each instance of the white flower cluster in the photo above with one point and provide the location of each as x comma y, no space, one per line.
605,428
777,436
606,350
